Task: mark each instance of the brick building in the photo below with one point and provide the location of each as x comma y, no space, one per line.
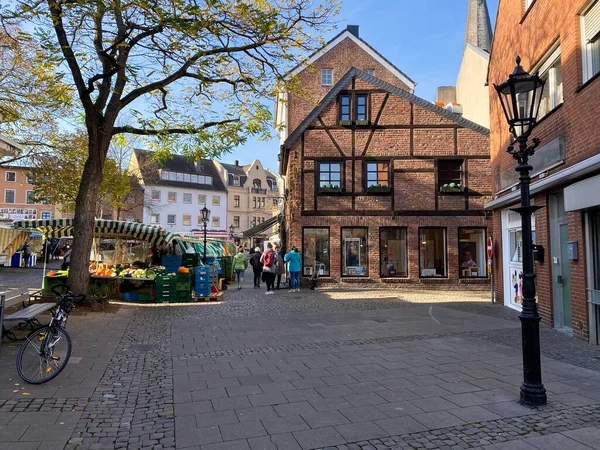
368,170
560,40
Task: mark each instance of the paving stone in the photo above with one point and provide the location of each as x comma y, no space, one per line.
258,413
324,419
431,404
274,398
191,437
438,419
294,409
229,445
363,413
360,431
400,425
285,424
319,437
243,430
474,414
212,419
589,436
238,402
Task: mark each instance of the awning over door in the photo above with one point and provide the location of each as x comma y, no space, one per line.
261,228
582,195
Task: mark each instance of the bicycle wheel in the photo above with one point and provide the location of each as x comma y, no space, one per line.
44,354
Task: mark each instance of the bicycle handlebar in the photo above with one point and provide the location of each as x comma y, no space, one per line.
67,293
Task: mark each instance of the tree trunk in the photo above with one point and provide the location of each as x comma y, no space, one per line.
85,210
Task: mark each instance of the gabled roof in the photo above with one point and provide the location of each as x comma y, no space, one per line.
347,34
177,163
340,85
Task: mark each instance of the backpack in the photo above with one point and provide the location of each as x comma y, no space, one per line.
268,260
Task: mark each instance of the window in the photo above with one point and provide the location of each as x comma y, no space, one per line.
216,222
201,179
432,252
208,180
262,202
155,195
355,254
236,180
187,220
551,72
216,201
11,176
236,221
236,201
172,176
360,110
9,196
370,72
46,215
254,202
164,175
29,179
393,252
179,176
345,108
315,251
330,176
171,219
187,198
450,171
201,199
172,197
186,177
326,77
472,255
30,198
591,41
194,178
155,219
378,175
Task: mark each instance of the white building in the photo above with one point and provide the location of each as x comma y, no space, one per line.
177,189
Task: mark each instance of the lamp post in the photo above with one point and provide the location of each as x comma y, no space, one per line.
205,215
520,97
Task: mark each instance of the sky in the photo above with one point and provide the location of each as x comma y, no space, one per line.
423,38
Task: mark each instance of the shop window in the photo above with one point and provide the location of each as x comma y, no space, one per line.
202,199
315,251
155,219
236,201
171,219
393,248
30,198
216,200
330,176
472,255
11,177
432,252
551,72
326,77
172,197
590,24
187,220
450,175
9,196
355,254
378,176
187,198
155,195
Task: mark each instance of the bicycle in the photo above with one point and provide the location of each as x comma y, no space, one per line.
47,349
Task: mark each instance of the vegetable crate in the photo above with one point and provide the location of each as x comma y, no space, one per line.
190,260
145,297
130,296
51,282
171,263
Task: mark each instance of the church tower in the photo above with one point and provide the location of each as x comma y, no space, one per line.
478,31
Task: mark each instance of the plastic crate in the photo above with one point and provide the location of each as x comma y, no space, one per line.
202,291
171,260
183,286
131,296
202,273
190,260
144,297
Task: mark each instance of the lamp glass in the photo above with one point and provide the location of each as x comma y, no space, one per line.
205,214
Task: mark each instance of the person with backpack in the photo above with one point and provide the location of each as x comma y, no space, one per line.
279,265
257,266
294,261
268,260
240,264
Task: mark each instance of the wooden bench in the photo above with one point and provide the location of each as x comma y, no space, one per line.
25,317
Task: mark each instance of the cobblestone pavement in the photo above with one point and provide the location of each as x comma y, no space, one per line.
343,369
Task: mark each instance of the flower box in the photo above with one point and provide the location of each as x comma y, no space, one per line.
362,123
345,123
329,190
373,189
450,189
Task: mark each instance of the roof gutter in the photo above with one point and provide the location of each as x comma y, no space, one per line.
577,171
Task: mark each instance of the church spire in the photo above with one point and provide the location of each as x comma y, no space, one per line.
479,28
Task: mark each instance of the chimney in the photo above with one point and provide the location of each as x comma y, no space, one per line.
236,162
353,29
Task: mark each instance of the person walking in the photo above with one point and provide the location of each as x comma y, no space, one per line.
257,266
268,261
240,264
66,258
279,266
294,261
26,253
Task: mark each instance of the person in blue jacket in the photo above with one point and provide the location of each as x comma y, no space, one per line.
294,261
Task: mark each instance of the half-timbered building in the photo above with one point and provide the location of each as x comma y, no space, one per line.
381,184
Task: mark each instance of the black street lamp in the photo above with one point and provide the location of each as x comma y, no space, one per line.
520,96
205,215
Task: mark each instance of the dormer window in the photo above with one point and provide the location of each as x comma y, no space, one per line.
327,77
236,180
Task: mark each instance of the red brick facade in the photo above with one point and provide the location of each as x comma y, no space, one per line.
411,136
533,34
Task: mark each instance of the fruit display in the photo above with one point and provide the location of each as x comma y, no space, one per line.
183,270
58,273
122,271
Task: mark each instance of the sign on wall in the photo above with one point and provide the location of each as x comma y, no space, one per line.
18,213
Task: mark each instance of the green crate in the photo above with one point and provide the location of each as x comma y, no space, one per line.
190,260
183,286
144,297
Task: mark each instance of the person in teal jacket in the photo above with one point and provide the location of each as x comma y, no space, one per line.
294,261
240,264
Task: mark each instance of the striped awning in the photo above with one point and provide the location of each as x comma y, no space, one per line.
55,228
263,227
214,247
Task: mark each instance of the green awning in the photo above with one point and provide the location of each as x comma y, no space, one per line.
214,247
261,228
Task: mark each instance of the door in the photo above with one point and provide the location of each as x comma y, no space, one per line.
561,286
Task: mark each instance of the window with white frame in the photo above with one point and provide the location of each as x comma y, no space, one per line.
172,176
216,222
155,219
11,177
202,199
172,197
187,220
236,180
9,196
208,179
326,77
164,175
179,176
216,200
187,198
550,71
186,177
155,195
171,219
590,29
30,198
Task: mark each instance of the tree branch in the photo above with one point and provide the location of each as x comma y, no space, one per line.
152,132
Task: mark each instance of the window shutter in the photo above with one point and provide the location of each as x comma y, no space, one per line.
592,22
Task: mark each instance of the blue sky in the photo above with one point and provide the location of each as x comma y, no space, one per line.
423,38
